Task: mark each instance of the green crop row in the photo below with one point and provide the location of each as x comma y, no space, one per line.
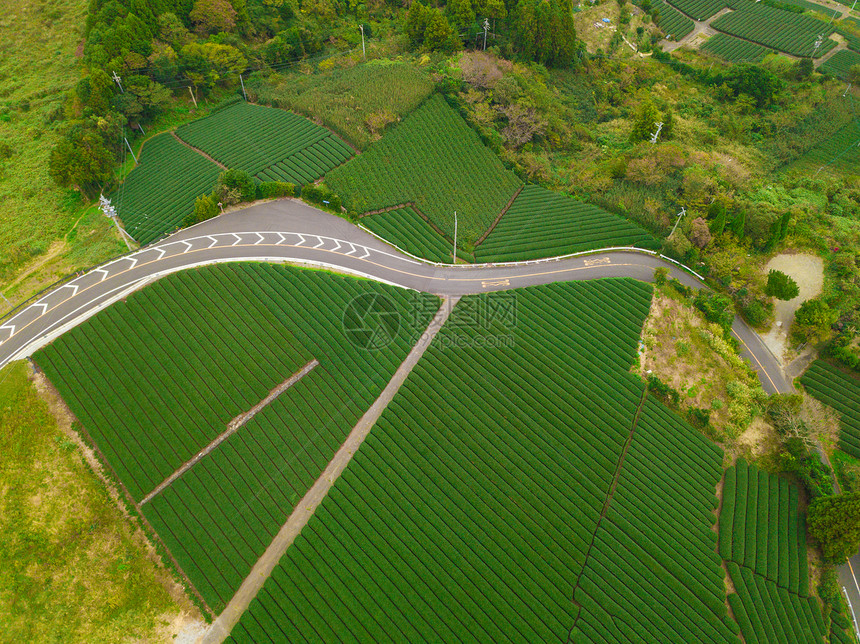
792,33
734,50
435,160
253,138
309,164
841,391
157,377
541,223
841,63
674,23
160,191
768,613
468,511
760,527
407,230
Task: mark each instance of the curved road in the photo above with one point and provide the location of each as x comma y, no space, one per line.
289,230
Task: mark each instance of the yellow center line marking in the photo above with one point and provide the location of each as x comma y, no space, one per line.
764,371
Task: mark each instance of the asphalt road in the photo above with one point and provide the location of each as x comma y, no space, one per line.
289,230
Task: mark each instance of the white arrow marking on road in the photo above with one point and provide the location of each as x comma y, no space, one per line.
44,307
214,241
188,246
74,286
238,239
336,248
366,253
353,248
11,328
259,240
161,251
302,237
322,242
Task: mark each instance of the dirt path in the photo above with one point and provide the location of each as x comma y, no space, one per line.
198,151
304,509
701,27
808,272
232,427
830,54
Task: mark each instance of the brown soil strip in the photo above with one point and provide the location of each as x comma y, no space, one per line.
232,427
199,151
408,204
304,509
499,218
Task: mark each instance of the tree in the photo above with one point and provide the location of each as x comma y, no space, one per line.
544,31
700,235
759,83
83,158
812,322
834,521
213,16
803,68
205,207
717,215
738,223
645,124
461,14
438,36
234,186
416,22
781,286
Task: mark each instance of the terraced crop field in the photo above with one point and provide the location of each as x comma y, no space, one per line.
268,143
792,33
156,378
700,9
502,483
841,391
407,230
160,191
436,161
841,63
541,223
763,538
674,23
734,50
838,153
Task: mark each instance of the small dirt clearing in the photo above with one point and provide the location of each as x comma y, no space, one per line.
808,272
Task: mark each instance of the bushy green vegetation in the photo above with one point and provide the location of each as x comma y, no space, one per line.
841,391
541,223
792,33
272,144
357,102
73,568
159,193
834,522
207,345
436,161
407,230
734,50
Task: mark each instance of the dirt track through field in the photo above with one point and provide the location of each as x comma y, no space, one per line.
232,427
199,151
304,509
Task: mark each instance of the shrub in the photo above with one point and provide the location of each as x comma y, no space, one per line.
275,189
660,275
781,286
205,208
232,183
321,196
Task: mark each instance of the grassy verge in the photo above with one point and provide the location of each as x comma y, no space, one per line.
74,568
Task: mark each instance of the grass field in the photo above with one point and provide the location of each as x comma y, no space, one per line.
792,33
37,67
271,144
434,159
357,102
841,391
160,191
207,345
407,230
734,50
73,570
542,223
763,539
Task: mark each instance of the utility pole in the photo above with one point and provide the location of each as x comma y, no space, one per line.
486,27
192,96
141,129
117,80
130,150
363,52
455,236
654,136
243,87
109,211
678,221
846,90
